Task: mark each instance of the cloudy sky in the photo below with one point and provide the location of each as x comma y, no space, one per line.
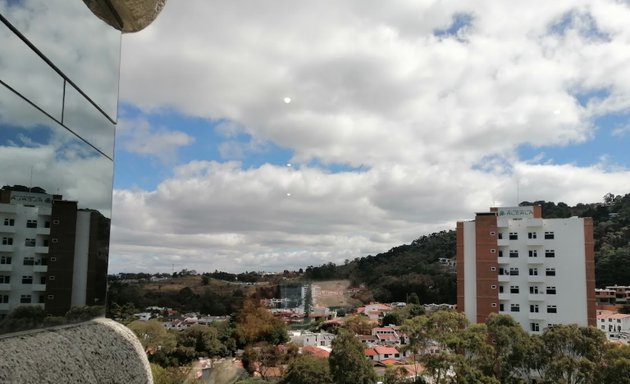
280,134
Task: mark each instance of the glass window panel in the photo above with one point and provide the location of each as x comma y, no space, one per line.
26,73
82,46
87,122
58,178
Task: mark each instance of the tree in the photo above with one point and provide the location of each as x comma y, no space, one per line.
170,375
261,359
394,375
348,364
204,340
152,335
617,367
573,354
255,324
392,318
514,354
307,369
359,325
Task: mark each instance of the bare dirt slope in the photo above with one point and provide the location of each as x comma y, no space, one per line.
333,293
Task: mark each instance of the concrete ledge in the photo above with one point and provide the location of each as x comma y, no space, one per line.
97,351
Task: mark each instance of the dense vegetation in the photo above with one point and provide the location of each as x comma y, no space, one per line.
401,271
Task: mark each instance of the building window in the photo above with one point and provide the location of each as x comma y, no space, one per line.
54,240
5,279
500,236
533,253
513,236
550,253
51,277
549,235
533,290
513,253
493,287
492,233
53,259
46,224
4,299
5,259
493,268
500,289
29,260
7,241
501,307
550,272
533,271
9,222
515,308
29,242
514,271
55,222
493,250
534,327
552,309
514,289
25,299
31,223
493,305
551,290
531,235
51,297
533,308
500,253
27,279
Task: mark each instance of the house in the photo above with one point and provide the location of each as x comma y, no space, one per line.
388,355
615,325
321,339
390,335
375,311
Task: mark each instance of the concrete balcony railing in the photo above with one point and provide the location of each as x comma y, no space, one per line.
7,229
41,249
5,287
39,287
6,267
6,248
43,231
40,268
97,351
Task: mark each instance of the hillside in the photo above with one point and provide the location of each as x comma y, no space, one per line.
414,268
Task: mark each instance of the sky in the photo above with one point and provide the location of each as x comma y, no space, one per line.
264,136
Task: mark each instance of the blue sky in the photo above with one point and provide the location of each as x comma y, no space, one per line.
249,140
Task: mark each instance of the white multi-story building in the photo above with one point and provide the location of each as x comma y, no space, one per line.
52,254
539,271
615,325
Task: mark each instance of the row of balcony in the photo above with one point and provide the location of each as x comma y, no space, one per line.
34,287
11,248
12,229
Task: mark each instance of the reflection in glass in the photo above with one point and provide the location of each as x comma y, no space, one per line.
80,45
56,169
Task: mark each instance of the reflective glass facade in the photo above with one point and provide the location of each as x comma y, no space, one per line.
59,71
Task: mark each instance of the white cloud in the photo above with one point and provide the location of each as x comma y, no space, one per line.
137,136
220,216
433,120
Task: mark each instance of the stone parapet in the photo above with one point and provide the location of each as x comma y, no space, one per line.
97,351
